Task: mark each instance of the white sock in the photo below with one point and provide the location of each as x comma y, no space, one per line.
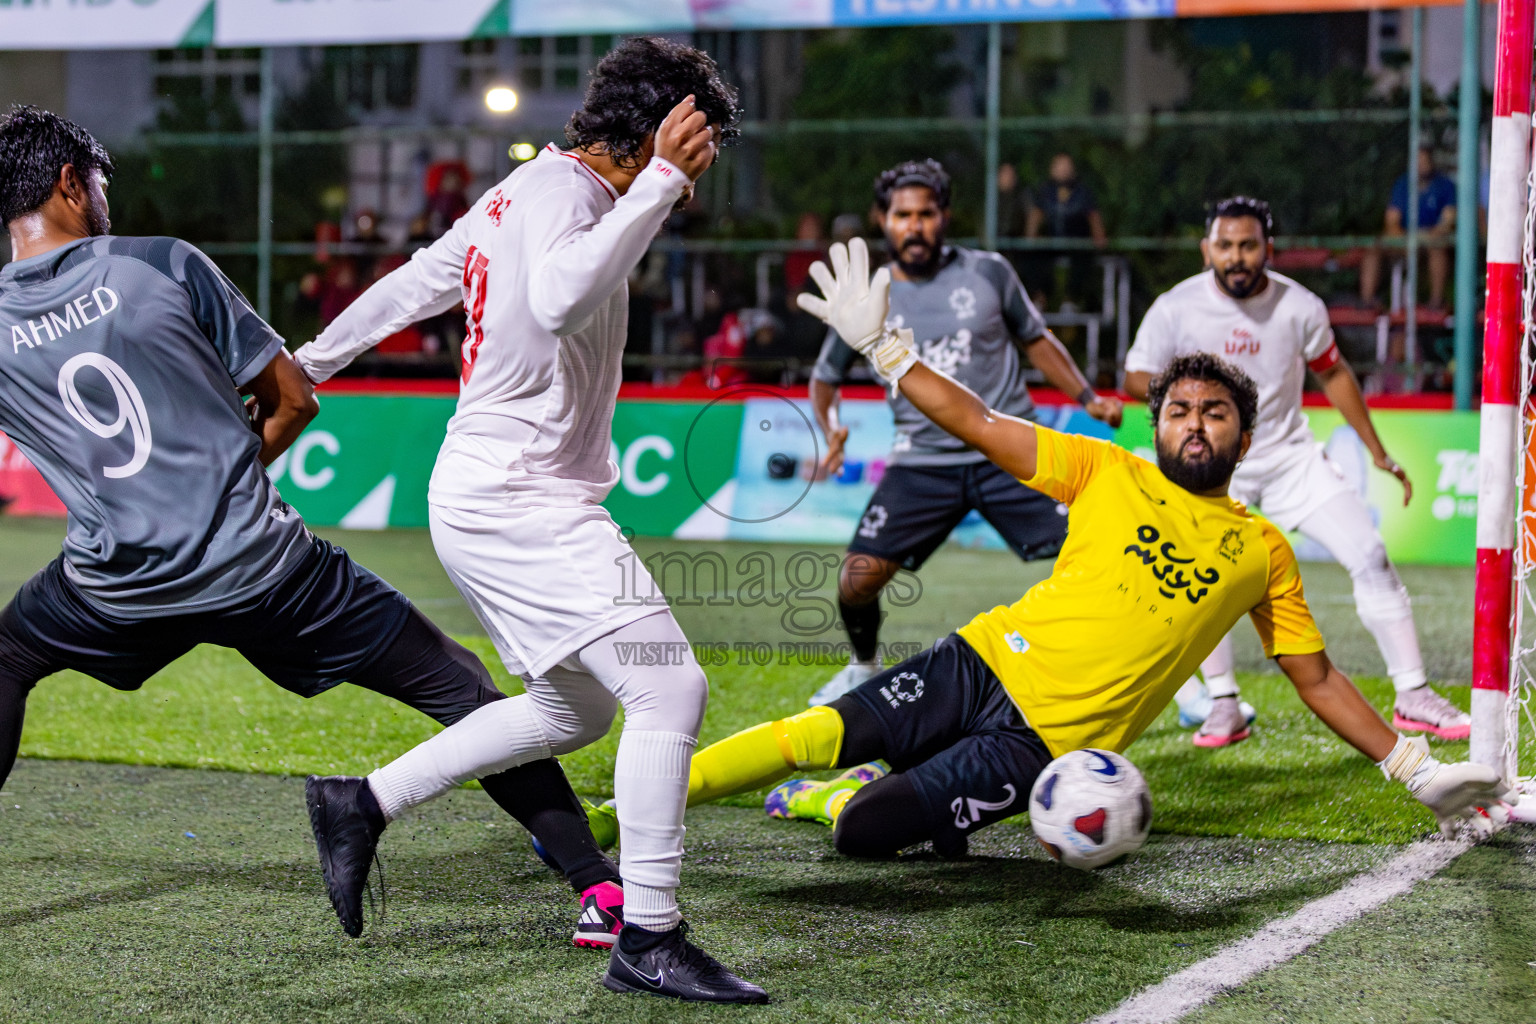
1343,525
1189,692
1382,605
491,739
1219,670
650,785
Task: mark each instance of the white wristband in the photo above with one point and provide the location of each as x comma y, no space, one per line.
1409,762
892,356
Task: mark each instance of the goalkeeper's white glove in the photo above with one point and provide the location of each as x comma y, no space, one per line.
856,305
1459,794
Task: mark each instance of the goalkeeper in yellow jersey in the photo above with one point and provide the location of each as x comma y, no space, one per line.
1159,563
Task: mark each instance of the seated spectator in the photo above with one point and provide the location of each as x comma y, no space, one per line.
743,335
1437,227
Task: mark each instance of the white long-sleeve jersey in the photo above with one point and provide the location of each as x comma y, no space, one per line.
541,263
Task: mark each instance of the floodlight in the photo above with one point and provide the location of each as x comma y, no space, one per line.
500,100
523,151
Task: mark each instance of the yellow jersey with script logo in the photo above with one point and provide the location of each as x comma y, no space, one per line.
1151,577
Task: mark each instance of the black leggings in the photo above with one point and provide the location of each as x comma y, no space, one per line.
429,671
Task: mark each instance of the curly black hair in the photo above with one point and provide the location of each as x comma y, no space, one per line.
1204,366
636,85
1242,206
929,174
34,147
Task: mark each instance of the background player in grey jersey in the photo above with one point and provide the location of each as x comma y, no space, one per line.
121,366
971,320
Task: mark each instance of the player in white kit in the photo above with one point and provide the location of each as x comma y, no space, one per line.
540,263
1275,330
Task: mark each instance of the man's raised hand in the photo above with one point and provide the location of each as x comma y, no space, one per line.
686,139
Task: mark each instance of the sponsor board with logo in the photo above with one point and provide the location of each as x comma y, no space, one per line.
745,466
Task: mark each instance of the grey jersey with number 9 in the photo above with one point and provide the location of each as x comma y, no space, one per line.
119,364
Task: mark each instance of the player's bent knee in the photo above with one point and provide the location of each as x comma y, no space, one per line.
570,728
862,831
812,739
1369,560
863,577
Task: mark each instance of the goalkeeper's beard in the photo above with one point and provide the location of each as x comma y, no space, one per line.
1202,473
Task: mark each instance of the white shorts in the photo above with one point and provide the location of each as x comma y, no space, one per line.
1289,483
544,582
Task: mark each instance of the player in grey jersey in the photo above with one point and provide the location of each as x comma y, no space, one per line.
970,319
122,362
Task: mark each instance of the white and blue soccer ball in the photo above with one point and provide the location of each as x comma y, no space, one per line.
1090,807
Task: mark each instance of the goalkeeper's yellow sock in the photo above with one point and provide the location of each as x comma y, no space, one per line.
765,753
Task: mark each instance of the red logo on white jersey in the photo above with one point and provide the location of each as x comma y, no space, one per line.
1242,343
496,207
475,268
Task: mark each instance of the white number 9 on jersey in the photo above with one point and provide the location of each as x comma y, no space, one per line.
130,408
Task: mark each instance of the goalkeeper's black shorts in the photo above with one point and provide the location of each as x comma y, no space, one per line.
943,720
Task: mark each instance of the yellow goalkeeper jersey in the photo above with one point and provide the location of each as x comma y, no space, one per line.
1150,578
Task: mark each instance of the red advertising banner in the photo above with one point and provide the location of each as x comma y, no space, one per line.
22,490
1223,8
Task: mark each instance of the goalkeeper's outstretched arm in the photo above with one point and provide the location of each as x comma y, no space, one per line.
1006,440
1459,794
1342,707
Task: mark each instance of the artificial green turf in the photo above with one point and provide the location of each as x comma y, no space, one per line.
1458,951
133,893
1293,779
110,911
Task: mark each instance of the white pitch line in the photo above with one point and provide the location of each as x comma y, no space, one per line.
1281,940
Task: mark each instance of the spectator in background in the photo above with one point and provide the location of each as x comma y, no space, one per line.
801,333
1063,207
447,200
743,335
1437,227
846,227
1013,205
811,235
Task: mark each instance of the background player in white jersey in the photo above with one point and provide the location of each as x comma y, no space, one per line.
972,320
120,379
540,262
1275,330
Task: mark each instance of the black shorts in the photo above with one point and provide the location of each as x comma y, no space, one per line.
951,729
916,507
325,620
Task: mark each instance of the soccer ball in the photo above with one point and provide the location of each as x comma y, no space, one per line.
1089,807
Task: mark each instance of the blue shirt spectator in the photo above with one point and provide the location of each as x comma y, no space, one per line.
1436,193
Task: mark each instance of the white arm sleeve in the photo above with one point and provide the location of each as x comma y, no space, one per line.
1153,348
582,263
429,283
1317,331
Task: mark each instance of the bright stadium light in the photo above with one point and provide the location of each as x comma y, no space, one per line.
500,100
523,151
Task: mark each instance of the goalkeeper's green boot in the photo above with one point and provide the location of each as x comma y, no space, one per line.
809,800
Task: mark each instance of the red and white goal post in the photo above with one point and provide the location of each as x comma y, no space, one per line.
1504,631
